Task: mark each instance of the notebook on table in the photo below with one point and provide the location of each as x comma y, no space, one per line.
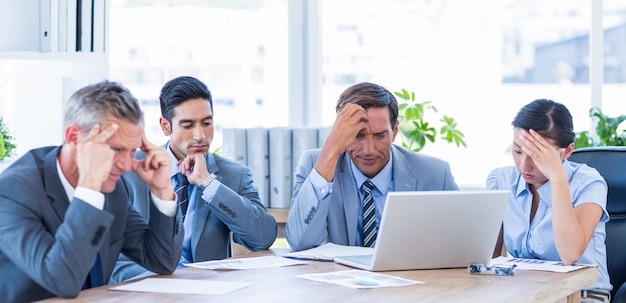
435,229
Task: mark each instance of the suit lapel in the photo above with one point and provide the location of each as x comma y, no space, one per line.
200,218
349,195
119,196
202,212
54,187
401,169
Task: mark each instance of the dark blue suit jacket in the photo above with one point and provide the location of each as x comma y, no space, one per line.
48,245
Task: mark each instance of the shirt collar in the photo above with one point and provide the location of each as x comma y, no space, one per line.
175,167
381,180
546,189
69,190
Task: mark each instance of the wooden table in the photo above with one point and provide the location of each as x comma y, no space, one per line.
441,285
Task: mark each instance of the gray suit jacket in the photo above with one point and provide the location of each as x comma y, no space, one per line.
312,222
48,245
235,207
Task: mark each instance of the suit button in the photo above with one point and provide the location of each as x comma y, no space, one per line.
96,238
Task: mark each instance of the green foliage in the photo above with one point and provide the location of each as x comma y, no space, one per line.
6,142
607,131
217,151
416,131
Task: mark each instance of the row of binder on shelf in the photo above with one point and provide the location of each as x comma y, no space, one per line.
272,154
53,25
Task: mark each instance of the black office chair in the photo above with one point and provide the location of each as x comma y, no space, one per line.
620,295
610,161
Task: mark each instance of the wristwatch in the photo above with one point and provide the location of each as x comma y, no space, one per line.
207,181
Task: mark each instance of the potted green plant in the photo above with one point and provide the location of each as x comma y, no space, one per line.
7,147
607,129
415,130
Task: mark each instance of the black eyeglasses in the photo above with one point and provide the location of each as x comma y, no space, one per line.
498,269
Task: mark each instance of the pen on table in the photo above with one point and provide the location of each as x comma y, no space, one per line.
311,258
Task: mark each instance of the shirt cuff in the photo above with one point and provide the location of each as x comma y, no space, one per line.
321,187
92,197
210,191
166,207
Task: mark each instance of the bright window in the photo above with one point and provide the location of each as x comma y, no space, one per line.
478,61
237,48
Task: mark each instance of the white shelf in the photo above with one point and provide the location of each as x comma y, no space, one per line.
53,56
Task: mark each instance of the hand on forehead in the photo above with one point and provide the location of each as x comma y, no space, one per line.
128,135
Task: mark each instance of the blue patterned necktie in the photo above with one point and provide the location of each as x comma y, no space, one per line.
369,215
181,193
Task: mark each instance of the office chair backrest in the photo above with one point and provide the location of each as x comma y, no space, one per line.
610,161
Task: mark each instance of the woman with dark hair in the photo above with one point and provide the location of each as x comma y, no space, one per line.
557,209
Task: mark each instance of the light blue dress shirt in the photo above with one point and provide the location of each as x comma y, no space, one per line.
383,182
535,240
207,195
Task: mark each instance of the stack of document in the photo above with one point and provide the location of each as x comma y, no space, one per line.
328,251
536,264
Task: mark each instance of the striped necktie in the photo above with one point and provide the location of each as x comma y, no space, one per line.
181,193
369,215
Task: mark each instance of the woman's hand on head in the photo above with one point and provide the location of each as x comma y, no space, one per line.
546,156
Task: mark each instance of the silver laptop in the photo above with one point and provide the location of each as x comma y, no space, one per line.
435,229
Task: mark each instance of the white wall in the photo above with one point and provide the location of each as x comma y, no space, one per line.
33,93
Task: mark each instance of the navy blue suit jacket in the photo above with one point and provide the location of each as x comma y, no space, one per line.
48,245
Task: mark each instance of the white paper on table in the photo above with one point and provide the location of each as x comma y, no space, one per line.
356,278
246,263
536,264
182,286
329,251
